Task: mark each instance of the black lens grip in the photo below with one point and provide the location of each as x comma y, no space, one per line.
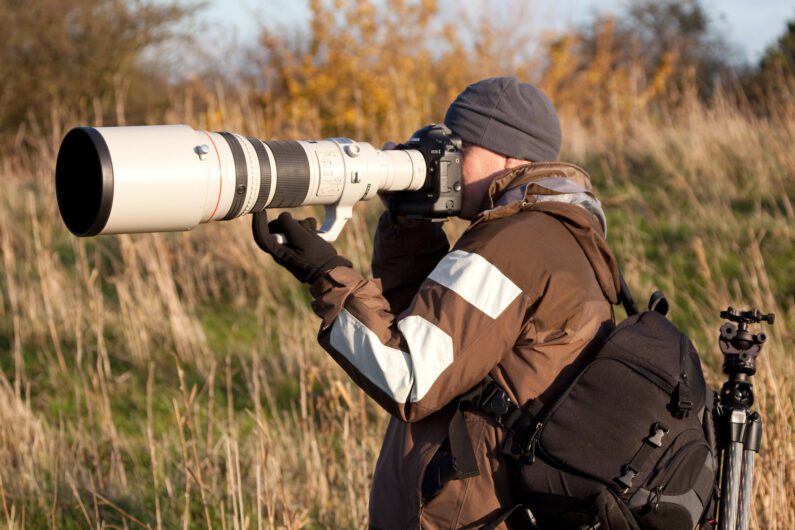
292,173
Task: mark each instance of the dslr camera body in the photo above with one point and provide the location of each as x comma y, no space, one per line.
441,195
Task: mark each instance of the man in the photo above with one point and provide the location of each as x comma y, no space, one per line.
519,297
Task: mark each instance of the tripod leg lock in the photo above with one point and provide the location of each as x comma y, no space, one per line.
753,433
737,422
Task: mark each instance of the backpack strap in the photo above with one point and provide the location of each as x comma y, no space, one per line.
682,393
658,303
633,468
625,296
464,463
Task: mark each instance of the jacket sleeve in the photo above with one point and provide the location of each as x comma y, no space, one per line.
403,255
466,315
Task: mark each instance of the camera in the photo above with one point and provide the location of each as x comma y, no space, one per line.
440,197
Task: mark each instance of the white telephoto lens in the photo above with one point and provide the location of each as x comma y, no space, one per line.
112,180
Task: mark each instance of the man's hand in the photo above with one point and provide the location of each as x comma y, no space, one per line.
304,253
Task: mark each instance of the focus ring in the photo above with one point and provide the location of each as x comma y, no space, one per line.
292,171
241,176
264,174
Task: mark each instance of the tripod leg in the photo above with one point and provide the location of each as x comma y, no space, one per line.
732,471
753,436
747,483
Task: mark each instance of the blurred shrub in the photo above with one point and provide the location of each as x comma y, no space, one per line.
81,56
362,69
365,68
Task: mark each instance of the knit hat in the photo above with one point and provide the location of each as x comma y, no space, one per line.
508,117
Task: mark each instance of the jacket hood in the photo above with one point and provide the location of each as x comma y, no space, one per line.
563,191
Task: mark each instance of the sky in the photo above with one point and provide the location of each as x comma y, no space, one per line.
750,25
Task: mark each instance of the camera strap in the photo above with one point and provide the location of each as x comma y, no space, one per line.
625,296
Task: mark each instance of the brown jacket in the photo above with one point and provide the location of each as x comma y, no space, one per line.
522,292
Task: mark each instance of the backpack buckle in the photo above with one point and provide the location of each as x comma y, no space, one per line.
659,430
496,403
683,408
626,479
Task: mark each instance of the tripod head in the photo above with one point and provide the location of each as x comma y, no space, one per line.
747,317
740,349
739,346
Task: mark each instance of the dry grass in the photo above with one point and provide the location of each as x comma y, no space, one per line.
173,380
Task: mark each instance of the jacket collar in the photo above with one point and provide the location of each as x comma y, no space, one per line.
523,186
563,191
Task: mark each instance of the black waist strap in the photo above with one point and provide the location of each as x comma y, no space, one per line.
490,399
464,463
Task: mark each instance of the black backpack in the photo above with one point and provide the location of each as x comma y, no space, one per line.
637,420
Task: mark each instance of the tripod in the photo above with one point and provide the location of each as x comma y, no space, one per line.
739,427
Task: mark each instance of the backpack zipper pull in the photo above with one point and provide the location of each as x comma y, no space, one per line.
657,498
530,449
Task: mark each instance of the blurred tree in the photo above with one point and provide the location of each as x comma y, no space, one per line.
681,27
780,57
655,50
82,58
771,82
777,65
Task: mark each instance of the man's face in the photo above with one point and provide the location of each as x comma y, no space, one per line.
478,167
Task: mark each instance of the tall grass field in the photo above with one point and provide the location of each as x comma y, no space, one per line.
173,381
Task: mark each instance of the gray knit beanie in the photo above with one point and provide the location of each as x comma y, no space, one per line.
508,117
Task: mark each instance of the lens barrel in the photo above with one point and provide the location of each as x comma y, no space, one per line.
112,180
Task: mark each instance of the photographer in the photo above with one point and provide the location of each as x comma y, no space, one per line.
515,302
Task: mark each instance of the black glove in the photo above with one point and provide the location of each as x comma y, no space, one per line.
304,253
